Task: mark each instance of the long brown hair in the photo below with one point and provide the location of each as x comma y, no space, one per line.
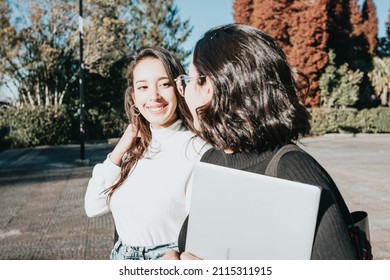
137,150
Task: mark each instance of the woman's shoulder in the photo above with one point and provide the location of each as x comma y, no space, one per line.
299,165
193,145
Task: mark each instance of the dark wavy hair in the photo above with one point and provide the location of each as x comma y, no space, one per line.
256,104
136,151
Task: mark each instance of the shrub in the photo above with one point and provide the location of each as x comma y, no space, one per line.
380,78
30,126
339,86
349,120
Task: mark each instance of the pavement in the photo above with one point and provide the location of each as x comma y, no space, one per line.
42,195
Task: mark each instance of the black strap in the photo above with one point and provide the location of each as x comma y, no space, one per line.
272,167
358,236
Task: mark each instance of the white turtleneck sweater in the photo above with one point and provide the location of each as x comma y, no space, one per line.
151,205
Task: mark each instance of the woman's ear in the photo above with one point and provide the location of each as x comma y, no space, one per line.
208,89
133,97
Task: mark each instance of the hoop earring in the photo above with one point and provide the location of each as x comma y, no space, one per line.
134,111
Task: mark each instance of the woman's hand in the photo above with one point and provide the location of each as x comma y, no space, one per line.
171,255
174,255
188,256
127,139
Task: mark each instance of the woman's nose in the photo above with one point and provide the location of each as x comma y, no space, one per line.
154,93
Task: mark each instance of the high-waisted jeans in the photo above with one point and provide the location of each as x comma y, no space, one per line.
122,251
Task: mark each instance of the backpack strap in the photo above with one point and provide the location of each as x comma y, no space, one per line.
272,167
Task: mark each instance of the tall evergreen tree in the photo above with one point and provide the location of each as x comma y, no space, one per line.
243,10
300,27
384,42
340,28
370,25
363,46
356,18
271,16
307,29
308,39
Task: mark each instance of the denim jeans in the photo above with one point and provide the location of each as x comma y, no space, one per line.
122,251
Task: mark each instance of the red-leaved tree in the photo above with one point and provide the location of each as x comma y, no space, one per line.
370,25
308,29
299,27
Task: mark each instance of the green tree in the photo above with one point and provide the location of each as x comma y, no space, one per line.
38,61
380,78
384,42
113,31
40,52
157,22
8,42
339,85
104,36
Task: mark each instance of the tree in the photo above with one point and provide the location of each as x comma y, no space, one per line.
243,10
157,23
40,52
339,85
358,36
384,42
380,78
104,36
353,32
299,27
307,29
308,39
113,31
8,42
340,28
271,16
370,25
39,60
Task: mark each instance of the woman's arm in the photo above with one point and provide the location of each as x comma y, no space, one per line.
104,175
331,239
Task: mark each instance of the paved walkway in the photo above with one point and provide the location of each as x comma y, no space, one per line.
42,205
42,191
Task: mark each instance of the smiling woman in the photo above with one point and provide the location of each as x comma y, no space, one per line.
143,181
154,94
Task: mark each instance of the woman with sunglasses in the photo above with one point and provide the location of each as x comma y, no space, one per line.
245,101
143,181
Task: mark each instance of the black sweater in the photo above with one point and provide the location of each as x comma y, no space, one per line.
331,239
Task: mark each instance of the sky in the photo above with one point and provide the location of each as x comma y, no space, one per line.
205,14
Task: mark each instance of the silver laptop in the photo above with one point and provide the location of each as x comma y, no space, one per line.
241,215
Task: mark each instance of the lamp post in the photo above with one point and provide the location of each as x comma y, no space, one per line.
81,85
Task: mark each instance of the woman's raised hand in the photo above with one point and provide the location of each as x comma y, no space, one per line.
127,139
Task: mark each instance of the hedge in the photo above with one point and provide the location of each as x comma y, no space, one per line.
350,120
28,127
55,125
